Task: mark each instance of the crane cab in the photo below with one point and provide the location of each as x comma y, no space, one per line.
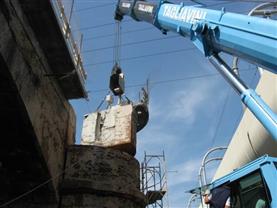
251,186
254,185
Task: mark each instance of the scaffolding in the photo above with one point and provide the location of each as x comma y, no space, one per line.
154,180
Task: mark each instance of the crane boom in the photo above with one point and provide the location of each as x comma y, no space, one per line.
212,32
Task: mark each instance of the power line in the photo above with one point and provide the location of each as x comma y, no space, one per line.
224,107
132,43
94,7
143,56
162,82
170,80
99,26
124,32
220,117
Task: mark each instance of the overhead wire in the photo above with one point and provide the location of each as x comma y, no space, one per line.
142,56
224,107
165,81
132,43
220,117
99,26
94,7
112,34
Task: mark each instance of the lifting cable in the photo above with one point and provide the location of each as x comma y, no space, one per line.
117,85
117,43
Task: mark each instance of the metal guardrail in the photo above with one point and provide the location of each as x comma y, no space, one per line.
73,37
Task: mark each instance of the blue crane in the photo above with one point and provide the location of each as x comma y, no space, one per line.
212,32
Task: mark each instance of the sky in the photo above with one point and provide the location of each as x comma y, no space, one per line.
192,108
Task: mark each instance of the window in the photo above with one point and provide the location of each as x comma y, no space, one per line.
249,192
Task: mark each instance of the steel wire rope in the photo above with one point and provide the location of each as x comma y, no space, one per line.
102,102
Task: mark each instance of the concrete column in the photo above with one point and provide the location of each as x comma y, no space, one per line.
101,177
39,120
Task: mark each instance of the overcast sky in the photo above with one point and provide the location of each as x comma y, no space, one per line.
192,108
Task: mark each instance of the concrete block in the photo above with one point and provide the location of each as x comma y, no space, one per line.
114,128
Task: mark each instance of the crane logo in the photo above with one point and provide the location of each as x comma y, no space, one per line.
126,5
145,8
185,14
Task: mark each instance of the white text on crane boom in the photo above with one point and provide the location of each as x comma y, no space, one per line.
185,14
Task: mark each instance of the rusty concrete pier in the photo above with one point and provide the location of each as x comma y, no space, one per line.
99,177
38,75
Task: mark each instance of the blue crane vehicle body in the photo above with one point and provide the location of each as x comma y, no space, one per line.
263,168
249,184
213,32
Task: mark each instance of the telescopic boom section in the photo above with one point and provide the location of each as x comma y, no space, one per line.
248,37
139,10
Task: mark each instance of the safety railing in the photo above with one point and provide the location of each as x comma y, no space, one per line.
72,35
